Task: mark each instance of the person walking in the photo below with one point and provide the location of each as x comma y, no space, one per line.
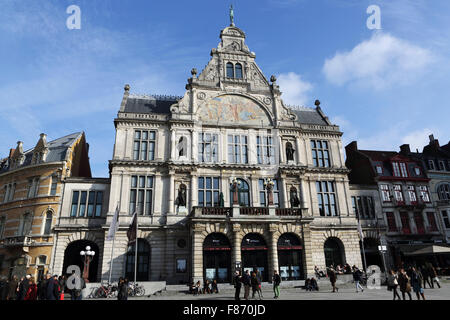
51,291
12,288
404,283
276,280
255,285
416,283
23,287
62,286
237,285
426,277
357,277
393,283
32,290
122,289
77,293
259,289
246,282
41,288
434,276
333,277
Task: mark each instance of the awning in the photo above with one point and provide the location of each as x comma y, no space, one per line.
429,250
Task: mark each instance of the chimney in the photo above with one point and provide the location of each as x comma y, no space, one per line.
404,149
11,152
352,146
43,137
431,138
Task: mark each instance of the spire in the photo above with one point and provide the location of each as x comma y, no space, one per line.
231,16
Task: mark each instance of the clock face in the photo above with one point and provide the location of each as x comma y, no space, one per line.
233,109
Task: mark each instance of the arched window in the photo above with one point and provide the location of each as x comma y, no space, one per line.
334,254
26,224
444,191
48,222
238,71
230,70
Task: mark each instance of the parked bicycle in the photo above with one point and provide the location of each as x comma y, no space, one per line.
105,291
135,290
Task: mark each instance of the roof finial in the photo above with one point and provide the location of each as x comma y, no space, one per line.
231,16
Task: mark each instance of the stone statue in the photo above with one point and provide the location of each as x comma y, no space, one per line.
181,198
289,152
231,16
295,201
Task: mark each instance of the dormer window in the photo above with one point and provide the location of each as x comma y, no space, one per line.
399,169
441,165
431,164
230,70
234,70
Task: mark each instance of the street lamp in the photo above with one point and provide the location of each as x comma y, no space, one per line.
383,249
87,256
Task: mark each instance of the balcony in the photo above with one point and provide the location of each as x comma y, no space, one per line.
247,212
297,212
215,211
254,211
413,205
18,241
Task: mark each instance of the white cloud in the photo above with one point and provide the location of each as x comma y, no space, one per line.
376,63
294,89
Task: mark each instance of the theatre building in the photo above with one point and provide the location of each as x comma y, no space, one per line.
228,176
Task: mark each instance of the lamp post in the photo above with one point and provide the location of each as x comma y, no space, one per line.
268,184
87,257
382,248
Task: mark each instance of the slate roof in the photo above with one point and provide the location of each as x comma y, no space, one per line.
57,150
149,104
309,116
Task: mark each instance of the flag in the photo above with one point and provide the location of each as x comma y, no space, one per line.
131,233
361,236
114,225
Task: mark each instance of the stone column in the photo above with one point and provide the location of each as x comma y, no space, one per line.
282,151
171,191
297,150
273,252
308,248
172,145
194,193
284,191
236,249
158,195
303,194
193,145
223,154
197,253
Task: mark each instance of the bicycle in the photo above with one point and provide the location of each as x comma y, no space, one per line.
136,290
106,291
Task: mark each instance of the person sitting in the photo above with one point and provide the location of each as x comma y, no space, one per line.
308,284
317,271
206,287
313,284
214,288
197,288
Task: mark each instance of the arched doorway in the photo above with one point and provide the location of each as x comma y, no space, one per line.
72,257
143,267
290,256
217,258
254,254
373,256
334,252
243,193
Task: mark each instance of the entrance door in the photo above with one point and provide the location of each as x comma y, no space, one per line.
290,256
254,254
143,267
333,252
72,257
217,258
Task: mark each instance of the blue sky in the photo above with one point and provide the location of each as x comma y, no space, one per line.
383,87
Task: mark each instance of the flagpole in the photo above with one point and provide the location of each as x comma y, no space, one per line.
136,249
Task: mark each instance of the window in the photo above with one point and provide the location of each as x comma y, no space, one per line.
48,222
181,265
208,147
441,165
412,194
53,185
320,153
26,224
41,260
403,169
230,70
385,193
445,217
327,198
392,226
9,192
5,194
2,226
379,169
33,186
208,191
417,171
444,191
418,219
237,149
238,70
144,145
398,194
431,164
263,196
405,222
396,169
363,207
355,207
86,204
265,150
424,193
432,221
141,195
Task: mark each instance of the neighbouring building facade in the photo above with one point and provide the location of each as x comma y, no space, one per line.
226,176
30,200
408,220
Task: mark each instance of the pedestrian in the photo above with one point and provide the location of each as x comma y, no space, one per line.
214,288
23,287
255,285
51,291
12,288
404,283
259,289
41,288
434,276
426,277
77,293
122,289
3,288
197,289
237,285
62,286
313,284
416,283
357,277
32,290
206,288
332,276
276,280
317,272
393,284
247,283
